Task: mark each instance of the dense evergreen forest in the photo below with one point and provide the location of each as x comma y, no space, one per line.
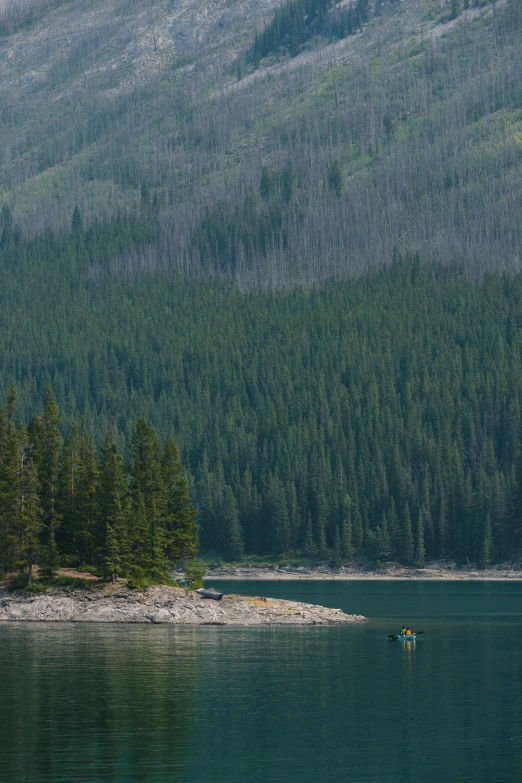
378,416
62,503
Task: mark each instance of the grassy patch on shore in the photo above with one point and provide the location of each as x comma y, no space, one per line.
19,582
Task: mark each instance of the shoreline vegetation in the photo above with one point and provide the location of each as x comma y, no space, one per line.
87,599
64,503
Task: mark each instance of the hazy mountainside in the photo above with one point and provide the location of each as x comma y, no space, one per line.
307,157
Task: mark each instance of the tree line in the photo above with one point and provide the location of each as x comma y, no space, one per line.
376,417
62,503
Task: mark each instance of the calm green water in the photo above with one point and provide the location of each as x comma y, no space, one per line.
159,704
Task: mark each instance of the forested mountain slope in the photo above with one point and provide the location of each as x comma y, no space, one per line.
282,145
377,416
289,234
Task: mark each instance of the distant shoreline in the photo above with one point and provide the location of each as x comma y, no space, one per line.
430,573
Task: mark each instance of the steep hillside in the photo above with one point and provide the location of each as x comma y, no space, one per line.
315,154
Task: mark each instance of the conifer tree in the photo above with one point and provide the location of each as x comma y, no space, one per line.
485,548
47,443
420,553
407,538
111,560
145,467
139,533
337,559
383,541
276,517
50,561
158,566
3,431
320,523
309,543
86,496
346,530
12,397
232,534
112,502
9,501
29,509
68,491
180,515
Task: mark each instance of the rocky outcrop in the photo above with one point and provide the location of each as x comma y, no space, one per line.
163,605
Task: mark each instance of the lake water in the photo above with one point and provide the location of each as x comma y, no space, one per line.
157,704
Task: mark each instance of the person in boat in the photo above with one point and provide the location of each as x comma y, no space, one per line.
403,630
408,632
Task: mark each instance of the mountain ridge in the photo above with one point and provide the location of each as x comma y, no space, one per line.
410,116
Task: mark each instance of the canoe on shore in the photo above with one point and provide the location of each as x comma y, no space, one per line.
210,594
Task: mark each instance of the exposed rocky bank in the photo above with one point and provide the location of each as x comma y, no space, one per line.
171,605
432,571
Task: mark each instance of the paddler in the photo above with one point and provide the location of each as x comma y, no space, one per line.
403,630
407,632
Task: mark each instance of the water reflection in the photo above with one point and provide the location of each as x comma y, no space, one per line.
96,703
408,648
272,705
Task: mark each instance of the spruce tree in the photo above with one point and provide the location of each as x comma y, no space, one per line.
12,397
50,560
139,534
158,566
111,560
86,496
485,548
309,543
145,465
407,538
9,502
276,517
383,541
336,560
29,517
231,529
181,531
346,530
420,553
47,443
68,492
112,501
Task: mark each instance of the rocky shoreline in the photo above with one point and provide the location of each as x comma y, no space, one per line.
431,572
118,604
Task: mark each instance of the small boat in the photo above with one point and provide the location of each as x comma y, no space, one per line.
210,594
402,637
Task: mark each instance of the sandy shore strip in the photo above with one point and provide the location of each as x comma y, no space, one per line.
431,572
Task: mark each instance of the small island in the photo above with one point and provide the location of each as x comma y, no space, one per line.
117,603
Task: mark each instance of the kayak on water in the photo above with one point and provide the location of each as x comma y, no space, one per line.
403,637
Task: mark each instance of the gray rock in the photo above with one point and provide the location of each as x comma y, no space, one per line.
164,605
